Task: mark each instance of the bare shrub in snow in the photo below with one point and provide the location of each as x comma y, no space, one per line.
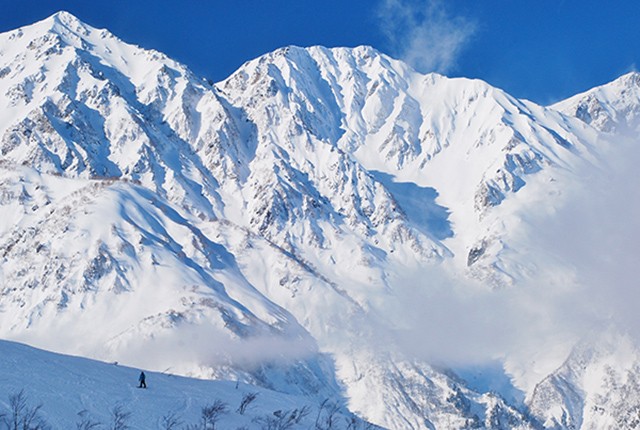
283,420
210,416
247,399
22,416
171,421
327,415
119,418
86,423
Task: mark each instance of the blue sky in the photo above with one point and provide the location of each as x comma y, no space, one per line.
544,50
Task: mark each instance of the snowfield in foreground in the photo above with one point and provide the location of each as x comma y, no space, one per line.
73,389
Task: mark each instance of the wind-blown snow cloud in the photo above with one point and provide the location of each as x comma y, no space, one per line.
424,34
597,234
211,350
585,284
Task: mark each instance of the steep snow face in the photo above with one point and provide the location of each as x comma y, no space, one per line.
597,387
612,108
456,147
418,396
108,269
91,106
78,101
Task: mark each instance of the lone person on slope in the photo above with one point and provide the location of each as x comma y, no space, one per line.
142,378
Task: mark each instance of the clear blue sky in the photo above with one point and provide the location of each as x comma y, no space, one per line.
542,50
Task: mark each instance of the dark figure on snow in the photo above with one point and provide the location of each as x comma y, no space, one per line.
142,379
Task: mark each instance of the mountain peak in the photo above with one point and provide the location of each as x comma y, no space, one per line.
64,17
60,29
63,23
612,107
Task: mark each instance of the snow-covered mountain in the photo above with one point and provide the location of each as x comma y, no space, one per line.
270,227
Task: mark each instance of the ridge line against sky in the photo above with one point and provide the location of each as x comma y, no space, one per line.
544,51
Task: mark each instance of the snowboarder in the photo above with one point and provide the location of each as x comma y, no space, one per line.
142,378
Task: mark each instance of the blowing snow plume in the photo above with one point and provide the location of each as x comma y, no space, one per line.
423,34
597,235
580,283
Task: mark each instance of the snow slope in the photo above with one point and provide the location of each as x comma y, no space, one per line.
73,389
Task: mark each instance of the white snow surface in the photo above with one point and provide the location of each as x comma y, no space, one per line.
72,389
326,223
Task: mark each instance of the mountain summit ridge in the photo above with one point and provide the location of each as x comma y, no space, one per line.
611,108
